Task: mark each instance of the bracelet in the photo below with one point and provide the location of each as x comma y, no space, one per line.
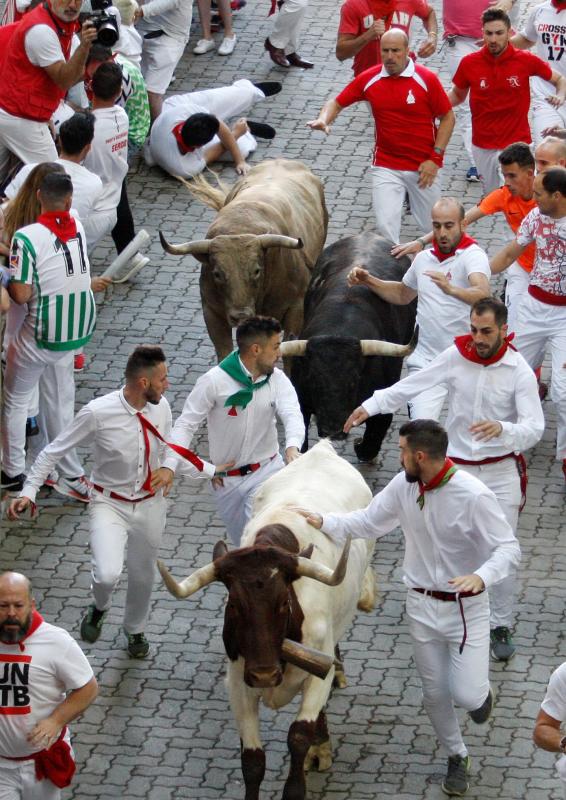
422,241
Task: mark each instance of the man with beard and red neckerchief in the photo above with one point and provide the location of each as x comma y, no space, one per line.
47,682
457,543
446,279
494,415
38,68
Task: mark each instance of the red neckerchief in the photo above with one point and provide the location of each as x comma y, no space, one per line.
36,620
183,148
65,29
464,242
61,223
559,6
382,9
466,348
440,479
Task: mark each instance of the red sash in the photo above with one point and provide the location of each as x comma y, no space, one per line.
182,451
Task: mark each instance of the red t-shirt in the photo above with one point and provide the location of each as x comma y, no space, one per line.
356,16
404,108
499,94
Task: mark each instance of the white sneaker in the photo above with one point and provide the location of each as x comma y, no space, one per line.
227,46
77,488
204,46
135,264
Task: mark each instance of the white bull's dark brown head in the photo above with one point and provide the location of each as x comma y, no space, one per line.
262,610
236,266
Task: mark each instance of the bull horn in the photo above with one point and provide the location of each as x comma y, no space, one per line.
314,661
375,347
197,248
276,240
294,347
200,578
320,572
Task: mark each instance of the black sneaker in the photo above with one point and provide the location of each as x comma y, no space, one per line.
15,484
501,646
91,624
483,713
269,88
261,130
456,780
138,646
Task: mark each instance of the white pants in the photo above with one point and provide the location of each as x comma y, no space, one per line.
159,60
99,225
448,677
538,325
113,524
516,286
503,479
28,367
30,141
545,116
14,318
487,162
463,45
227,102
18,782
427,405
234,500
288,24
388,194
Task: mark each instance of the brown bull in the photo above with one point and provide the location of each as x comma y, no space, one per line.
259,251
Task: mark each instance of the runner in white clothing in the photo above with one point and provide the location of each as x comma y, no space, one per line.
446,280
494,414
457,543
548,733
240,400
47,683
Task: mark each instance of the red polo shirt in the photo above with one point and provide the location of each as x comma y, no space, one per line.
356,16
499,94
404,108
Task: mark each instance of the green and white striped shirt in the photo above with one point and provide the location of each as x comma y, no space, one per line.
61,311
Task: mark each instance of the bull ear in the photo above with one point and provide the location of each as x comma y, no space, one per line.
220,549
307,552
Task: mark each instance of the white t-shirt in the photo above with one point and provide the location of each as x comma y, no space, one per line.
554,704
43,47
547,27
441,317
35,680
108,156
163,145
549,235
129,44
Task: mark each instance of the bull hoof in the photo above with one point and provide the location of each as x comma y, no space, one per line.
319,755
362,455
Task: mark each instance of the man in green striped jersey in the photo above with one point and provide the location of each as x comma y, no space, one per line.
49,270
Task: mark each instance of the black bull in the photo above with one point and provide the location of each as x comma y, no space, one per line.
333,376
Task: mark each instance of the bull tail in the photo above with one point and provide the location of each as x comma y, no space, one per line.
202,190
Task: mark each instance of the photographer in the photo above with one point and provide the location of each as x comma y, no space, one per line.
36,72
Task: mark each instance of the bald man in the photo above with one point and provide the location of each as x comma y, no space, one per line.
50,683
404,97
447,279
551,152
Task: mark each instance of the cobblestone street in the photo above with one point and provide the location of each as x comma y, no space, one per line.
161,729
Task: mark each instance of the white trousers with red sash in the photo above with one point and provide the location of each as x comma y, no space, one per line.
18,782
130,532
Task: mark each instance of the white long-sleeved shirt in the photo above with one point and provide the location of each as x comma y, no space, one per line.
110,423
460,530
248,437
505,391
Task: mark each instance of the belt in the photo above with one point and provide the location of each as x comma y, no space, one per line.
521,469
451,597
245,469
153,34
116,496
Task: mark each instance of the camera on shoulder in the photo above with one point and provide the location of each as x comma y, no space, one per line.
106,24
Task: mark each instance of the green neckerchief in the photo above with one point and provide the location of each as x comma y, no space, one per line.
233,367
439,480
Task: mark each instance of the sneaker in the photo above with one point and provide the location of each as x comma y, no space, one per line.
204,46
15,484
138,646
227,46
135,264
542,390
51,479
483,713
261,130
472,175
91,624
79,362
502,647
32,428
269,88
77,488
456,780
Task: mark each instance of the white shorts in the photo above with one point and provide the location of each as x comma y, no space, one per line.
159,59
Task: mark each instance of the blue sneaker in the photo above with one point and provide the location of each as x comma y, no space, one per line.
472,175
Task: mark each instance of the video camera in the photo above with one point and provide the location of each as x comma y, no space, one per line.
106,25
